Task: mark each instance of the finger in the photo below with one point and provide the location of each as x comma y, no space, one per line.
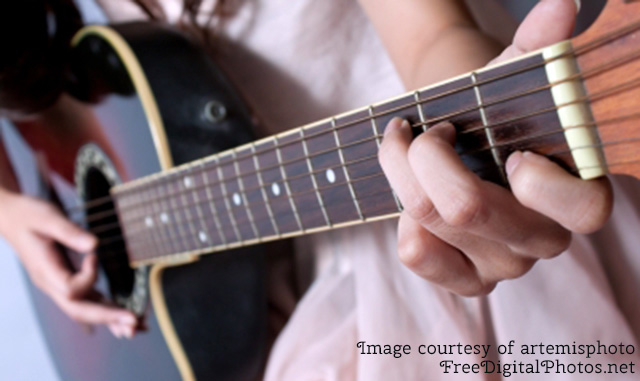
549,22
578,205
59,228
467,204
435,260
394,162
81,283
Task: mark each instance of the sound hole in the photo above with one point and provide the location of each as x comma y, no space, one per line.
103,221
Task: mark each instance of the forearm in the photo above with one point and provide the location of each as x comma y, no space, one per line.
430,40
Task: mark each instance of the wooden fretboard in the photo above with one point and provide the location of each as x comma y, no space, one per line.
326,175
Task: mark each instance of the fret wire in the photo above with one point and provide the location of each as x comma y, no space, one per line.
416,97
212,208
488,131
378,137
187,212
286,185
232,218
244,196
267,203
203,222
345,170
313,179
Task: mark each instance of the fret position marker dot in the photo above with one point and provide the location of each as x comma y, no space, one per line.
275,189
236,199
188,183
331,176
164,218
149,222
202,236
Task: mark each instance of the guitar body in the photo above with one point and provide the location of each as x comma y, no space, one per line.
144,98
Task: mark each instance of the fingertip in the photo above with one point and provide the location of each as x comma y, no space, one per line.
513,162
445,131
398,125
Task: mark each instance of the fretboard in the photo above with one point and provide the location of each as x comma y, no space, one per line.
326,175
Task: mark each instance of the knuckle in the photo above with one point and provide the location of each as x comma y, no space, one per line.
419,260
421,210
517,268
465,210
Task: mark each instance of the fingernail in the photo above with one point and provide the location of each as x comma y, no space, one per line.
394,124
446,131
513,161
578,5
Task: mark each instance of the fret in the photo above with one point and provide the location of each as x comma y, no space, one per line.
212,207
205,234
344,168
175,213
181,185
378,136
165,217
402,107
152,224
223,188
360,160
162,228
265,198
313,178
488,131
185,187
243,195
281,204
416,97
283,173
329,175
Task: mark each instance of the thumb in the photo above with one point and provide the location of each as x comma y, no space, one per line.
549,22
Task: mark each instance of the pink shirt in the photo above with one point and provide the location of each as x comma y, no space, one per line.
299,61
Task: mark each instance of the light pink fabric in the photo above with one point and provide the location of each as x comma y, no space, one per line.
299,61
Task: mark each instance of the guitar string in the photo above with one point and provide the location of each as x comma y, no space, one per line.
191,190
575,53
203,223
140,240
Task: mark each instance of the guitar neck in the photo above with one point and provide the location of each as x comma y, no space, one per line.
326,175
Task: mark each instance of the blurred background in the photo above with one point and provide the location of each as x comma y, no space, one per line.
23,351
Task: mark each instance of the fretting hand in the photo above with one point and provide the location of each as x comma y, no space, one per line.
466,234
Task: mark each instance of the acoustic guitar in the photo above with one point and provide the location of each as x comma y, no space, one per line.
160,163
